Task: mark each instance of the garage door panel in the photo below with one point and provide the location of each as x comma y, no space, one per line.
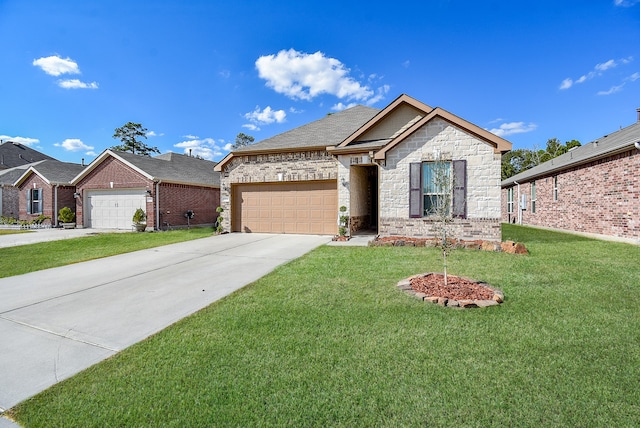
113,209
300,207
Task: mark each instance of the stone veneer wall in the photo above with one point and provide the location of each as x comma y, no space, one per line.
601,197
483,183
312,165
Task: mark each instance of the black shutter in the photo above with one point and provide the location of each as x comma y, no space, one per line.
28,201
460,188
415,190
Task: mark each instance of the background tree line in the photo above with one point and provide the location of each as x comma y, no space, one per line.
516,161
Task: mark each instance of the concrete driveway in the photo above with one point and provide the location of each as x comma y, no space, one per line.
57,322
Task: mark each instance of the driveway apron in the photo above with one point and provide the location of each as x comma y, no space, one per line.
57,322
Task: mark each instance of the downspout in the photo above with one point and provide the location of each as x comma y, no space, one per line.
55,205
157,201
518,203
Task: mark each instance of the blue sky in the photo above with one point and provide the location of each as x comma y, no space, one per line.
197,73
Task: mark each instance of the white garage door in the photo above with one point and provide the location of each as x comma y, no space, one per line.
113,209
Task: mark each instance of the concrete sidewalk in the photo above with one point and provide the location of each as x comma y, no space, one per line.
57,322
53,234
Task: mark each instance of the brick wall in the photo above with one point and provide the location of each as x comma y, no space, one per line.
601,197
10,201
53,198
176,199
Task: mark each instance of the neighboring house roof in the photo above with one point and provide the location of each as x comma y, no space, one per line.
9,176
423,115
16,154
607,145
52,171
331,130
168,168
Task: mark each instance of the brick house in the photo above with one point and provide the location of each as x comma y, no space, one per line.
15,158
115,184
44,188
376,163
592,189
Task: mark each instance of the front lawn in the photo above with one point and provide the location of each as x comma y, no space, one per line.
44,255
327,340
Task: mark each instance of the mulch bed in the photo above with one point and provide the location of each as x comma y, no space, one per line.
457,288
459,292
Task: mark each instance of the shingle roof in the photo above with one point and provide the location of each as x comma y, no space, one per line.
606,145
9,176
53,171
16,154
174,167
331,130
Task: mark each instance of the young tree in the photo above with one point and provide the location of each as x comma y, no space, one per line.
242,140
130,134
438,203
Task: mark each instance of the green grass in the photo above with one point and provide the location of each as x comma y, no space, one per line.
328,340
13,231
33,257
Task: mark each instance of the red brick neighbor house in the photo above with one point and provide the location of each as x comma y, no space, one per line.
593,189
375,163
111,188
15,158
45,188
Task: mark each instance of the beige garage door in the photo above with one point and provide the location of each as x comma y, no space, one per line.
302,207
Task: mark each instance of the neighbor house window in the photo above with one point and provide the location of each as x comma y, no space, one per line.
533,197
438,187
34,201
555,187
510,200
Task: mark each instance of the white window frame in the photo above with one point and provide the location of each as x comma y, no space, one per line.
555,187
510,200
533,197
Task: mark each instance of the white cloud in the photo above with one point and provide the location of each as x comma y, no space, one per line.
618,88
251,127
511,128
206,148
342,106
55,66
406,64
76,84
612,90
266,116
304,76
566,83
227,147
598,70
21,140
625,3
154,134
74,145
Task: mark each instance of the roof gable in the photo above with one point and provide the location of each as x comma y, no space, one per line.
168,167
400,119
52,172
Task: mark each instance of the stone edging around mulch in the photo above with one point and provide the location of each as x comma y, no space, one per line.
498,295
398,241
